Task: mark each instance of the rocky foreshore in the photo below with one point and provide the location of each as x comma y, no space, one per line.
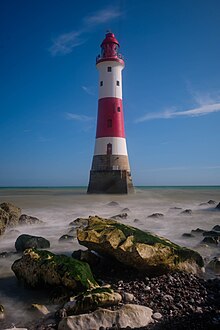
127,279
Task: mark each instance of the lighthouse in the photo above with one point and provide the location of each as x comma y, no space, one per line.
110,172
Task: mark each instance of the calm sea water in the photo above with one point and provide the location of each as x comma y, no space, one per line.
58,206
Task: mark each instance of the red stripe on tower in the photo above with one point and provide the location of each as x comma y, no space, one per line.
110,171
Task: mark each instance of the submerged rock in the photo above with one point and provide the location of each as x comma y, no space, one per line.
156,215
197,231
113,203
212,233
138,249
66,238
2,312
79,222
218,206
210,240
4,218
43,268
187,212
128,316
26,241
216,227
28,220
214,265
120,216
188,235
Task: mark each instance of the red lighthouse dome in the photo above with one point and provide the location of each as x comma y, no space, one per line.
109,49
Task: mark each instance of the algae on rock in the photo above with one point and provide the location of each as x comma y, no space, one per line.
43,268
136,248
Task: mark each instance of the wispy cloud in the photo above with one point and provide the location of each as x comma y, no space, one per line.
65,43
88,90
77,117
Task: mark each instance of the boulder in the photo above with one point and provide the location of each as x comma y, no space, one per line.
113,203
214,265
43,268
91,299
79,222
211,202
14,213
210,240
128,316
188,235
120,216
28,220
66,238
2,312
136,248
26,241
197,231
211,233
4,219
88,256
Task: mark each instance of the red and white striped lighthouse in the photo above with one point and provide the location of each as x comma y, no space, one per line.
110,171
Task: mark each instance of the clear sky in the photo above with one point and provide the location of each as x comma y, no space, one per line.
49,90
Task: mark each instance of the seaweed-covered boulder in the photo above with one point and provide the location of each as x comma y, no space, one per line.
136,248
13,211
43,268
26,241
91,299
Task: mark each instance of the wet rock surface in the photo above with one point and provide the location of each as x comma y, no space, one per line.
26,241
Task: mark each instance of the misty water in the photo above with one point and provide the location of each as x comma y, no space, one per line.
57,207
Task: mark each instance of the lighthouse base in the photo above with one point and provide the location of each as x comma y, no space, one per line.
110,182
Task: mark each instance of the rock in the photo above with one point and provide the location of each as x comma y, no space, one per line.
79,222
43,268
175,208
28,220
88,256
4,218
41,309
26,241
197,231
216,228
211,233
188,235
136,248
14,213
211,202
157,316
128,316
210,240
91,299
113,203
72,232
120,216
7,254
127,297
66,238
156,215
218,206
2,312
126,209
214,265
187,212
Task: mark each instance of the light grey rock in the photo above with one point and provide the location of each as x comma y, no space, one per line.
157,316
29,220
132,316
128,297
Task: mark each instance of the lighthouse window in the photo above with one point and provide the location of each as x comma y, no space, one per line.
117,83
118,109
109,69
101,83
109,123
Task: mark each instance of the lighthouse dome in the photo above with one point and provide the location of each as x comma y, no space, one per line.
110,38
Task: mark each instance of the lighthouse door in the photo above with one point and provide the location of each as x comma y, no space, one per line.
109,149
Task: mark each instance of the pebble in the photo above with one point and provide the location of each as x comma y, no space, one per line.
157,316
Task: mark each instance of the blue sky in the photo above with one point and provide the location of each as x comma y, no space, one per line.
49,90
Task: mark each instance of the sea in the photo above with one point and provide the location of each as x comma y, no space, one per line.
58,206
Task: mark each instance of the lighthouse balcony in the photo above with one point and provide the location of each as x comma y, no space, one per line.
101,58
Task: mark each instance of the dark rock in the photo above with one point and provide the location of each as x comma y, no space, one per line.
187,212
216,227
211,233
126,209
79,222
156,215
218,206
7,254
211,202
188,235
210,240
92,258
66,238
214,265
197,231
26,241
113,203
175,208
28,220
120,216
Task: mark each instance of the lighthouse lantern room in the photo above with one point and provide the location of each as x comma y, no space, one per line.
110,172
